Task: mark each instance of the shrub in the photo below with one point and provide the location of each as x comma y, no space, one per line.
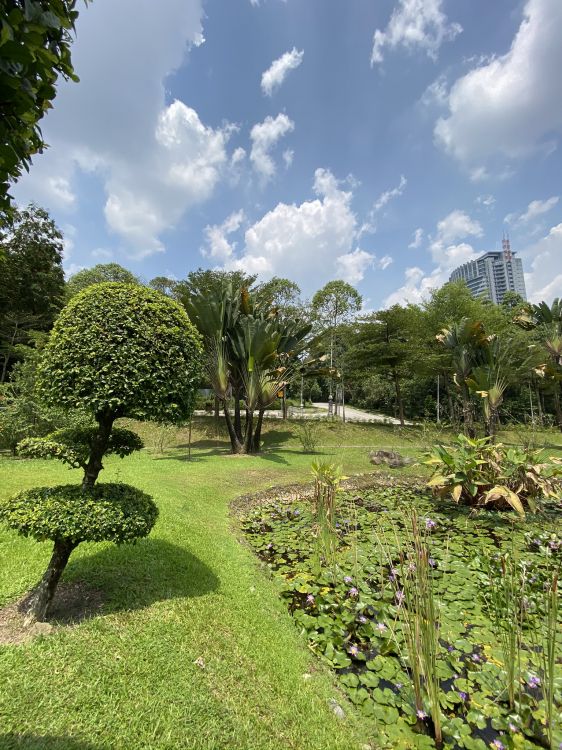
308,434
477,472
67,515
73,445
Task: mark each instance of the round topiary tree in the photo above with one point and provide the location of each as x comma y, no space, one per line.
116,350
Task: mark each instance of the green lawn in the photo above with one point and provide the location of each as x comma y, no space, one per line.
126,679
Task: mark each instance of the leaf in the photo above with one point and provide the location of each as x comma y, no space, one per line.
500,491
457,492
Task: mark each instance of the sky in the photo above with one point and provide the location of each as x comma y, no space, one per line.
383,142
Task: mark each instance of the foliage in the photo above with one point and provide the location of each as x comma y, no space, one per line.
32,289
35,44
74,445
477,472
356,622
308,435
124,350
109,512
98,275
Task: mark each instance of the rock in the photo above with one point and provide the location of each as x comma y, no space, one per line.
41,628
337,709
390,458
200,662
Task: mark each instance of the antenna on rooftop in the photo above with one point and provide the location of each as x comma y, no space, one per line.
506,247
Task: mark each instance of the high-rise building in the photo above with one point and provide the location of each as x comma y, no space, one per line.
493,274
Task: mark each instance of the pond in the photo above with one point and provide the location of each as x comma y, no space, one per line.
492,584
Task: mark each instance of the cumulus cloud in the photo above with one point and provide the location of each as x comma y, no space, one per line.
274,76
512,105
485,200
534,210
447,252
417,239
415,24
304,241
544,259
217,246
264,136
154,160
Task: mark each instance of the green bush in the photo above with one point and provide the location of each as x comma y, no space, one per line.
73,445
109,512
123,350
479,472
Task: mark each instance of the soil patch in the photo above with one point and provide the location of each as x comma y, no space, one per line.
74,602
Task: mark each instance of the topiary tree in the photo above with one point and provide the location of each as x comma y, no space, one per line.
121,350
116,350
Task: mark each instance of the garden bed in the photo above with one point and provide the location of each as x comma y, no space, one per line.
349,601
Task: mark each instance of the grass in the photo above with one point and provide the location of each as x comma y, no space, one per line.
127,679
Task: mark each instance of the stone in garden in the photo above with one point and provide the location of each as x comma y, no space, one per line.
337,709
390,458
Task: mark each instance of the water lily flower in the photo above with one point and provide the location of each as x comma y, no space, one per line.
476,657
421,714
400,596
381,627
362,619
348,579
354,650
353,591
463,696
432,562
430,524
310,599
497,744
534,682
512,728
393,573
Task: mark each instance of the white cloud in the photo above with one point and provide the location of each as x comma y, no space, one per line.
544,259
534,210
436,94
415,23
303,241
69,235
218,246
288,156
101,253
264,136
417,239
485,200
385,262
351,267
447,253
274,76
155,160
513,104
387,196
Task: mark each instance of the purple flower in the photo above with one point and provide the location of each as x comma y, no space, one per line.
411,567
353,591
421,714
354,650
270,546
533,682
296,512
511,726
476,657
450,648
348,579
381,627
399,686
497,744
463,696
310,599
432,562
400,597
430,524
362,619
393,573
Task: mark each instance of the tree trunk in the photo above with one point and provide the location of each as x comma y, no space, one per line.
467,413
7,355
235,444
99,446
42,595
398,396
237,415
557,408
257,432
249,435
217,414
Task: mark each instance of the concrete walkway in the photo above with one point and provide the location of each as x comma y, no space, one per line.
357,415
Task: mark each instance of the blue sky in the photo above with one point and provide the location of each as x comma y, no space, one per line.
379,141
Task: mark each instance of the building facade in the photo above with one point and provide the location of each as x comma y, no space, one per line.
493,274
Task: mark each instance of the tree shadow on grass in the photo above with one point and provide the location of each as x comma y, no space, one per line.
134,576
13,741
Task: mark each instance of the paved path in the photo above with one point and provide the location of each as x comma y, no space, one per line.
357,415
